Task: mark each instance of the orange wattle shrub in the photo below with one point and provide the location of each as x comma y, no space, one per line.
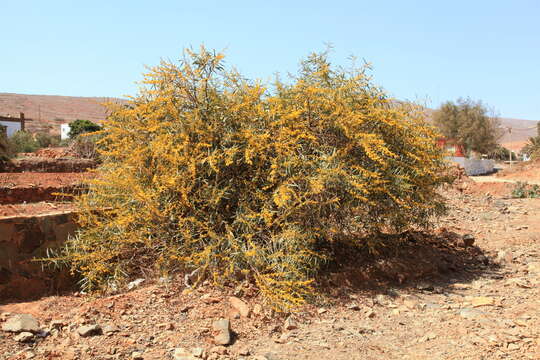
207,170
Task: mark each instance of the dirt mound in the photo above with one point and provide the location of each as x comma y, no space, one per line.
53,153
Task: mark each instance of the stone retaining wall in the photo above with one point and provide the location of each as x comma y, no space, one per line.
37,164
23,239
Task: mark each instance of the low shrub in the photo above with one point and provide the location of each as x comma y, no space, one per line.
47,140
85,146
207,170
23,142
523,190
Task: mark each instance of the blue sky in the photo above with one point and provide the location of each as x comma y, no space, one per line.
429,51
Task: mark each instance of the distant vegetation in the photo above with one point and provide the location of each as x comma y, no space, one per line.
532,148
208,171
469,123
25,142
523,190
79,127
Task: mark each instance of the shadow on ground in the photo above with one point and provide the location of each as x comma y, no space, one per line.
430,261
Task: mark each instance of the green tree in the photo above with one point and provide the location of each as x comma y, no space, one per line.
78,127
469,123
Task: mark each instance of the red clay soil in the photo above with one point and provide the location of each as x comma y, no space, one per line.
28,179
33,187
51,153
33,209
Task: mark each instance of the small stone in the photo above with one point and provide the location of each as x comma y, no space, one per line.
503,257
424,286
244,351
290,324
380,299
166,326
110,329
240,305
182,354
24,337
222,328
257,309
135,283
56,324
321,311
467,240
513,346
469,313
482,301
198,353
136,355
354,307
20,323
208,299
89,330
410,304
220,350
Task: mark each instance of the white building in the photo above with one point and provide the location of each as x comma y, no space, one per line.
64,131
13,124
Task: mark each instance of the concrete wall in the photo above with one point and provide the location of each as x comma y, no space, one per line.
12,127
474,166
23,239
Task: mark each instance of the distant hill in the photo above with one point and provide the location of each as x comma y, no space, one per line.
49,111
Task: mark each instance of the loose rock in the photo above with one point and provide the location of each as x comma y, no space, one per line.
20,323
24,337
240,305
222,328
89,330
183,354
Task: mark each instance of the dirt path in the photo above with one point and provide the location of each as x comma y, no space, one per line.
480,302
494,179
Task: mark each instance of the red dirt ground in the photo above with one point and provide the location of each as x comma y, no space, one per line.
28,179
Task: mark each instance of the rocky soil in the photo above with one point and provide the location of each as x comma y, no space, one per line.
469,289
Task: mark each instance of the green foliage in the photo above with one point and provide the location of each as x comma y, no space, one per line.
468,122
523,190
79,127
532,148
47,140
501,153
23,142
207,170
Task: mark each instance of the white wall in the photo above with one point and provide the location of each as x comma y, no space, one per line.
12,127
474,166
64,131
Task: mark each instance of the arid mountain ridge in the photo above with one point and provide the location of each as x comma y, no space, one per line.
47,112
